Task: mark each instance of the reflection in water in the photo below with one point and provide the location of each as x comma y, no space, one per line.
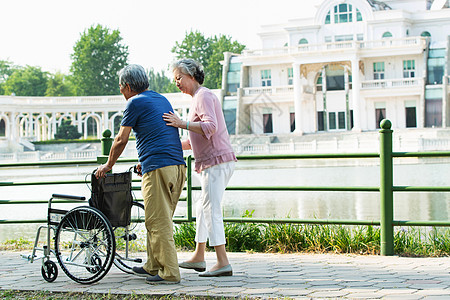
298,205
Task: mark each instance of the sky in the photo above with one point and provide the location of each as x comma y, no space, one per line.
43,32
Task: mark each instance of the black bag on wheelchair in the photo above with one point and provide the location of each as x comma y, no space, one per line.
112,196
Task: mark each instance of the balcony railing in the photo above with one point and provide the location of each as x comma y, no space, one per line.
271,90
323,47
392,83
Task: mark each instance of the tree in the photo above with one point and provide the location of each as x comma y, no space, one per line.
59,85
6,69
160,83
209,52
67,131
97,58
28,81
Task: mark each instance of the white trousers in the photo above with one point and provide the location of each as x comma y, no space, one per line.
214,180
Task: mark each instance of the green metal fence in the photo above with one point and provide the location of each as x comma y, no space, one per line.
386,188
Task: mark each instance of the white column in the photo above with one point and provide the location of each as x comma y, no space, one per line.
298,94
13,134
79,122
53,125
347,106
30,124
356,83
105,122
444,101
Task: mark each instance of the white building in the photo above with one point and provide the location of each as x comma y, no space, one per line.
352,64
347,67
29,119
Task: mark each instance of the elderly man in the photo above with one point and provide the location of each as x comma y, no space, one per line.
162,166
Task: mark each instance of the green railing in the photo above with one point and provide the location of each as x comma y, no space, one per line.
386,188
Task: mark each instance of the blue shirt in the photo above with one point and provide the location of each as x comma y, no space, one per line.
158,145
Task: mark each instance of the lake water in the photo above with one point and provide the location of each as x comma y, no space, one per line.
302,205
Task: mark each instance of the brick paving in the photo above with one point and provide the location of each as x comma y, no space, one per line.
261,275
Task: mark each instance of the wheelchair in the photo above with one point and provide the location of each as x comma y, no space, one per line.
86,245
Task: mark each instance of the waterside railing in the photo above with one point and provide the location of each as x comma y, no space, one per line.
386,188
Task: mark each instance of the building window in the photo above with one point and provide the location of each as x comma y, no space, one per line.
343,38
332,120
409,68
328,39
320,122
378,70
436,65
433,107
425,34
319,83
341,120
343,13
360,37
290,76
358,16
380,114
266,78
387,34
303,42
351,118
267,123
328,18
411,117
2,127
335,78
292,119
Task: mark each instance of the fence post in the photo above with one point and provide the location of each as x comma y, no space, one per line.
189,188
106,147
386,190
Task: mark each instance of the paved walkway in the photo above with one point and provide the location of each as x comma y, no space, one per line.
299,276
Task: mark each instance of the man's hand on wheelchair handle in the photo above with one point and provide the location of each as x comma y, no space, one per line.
102,170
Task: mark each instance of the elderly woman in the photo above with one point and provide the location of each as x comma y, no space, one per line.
214,160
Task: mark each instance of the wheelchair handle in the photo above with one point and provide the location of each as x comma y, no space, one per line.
59,196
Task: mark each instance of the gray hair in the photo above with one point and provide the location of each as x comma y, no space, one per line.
190,67
135,76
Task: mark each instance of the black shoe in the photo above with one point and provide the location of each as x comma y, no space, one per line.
139,271
158,280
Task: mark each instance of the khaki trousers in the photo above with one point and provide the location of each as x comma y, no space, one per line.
161,189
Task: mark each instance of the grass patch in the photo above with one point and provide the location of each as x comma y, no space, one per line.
28,295
289,238
18,245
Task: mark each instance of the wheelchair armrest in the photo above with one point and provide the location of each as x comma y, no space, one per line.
59,196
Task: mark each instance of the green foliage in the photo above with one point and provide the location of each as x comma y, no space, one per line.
59,85
209,52
160,83
26,81
6,69
184,236
19,244
67,131
243,236
52,295
97,58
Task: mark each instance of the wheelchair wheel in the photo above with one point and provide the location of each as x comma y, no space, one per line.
85,245
131,241
49,271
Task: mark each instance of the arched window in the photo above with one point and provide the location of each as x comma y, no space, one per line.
303,42
2,127
319,83
328,18
425,34
344,13
387,34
